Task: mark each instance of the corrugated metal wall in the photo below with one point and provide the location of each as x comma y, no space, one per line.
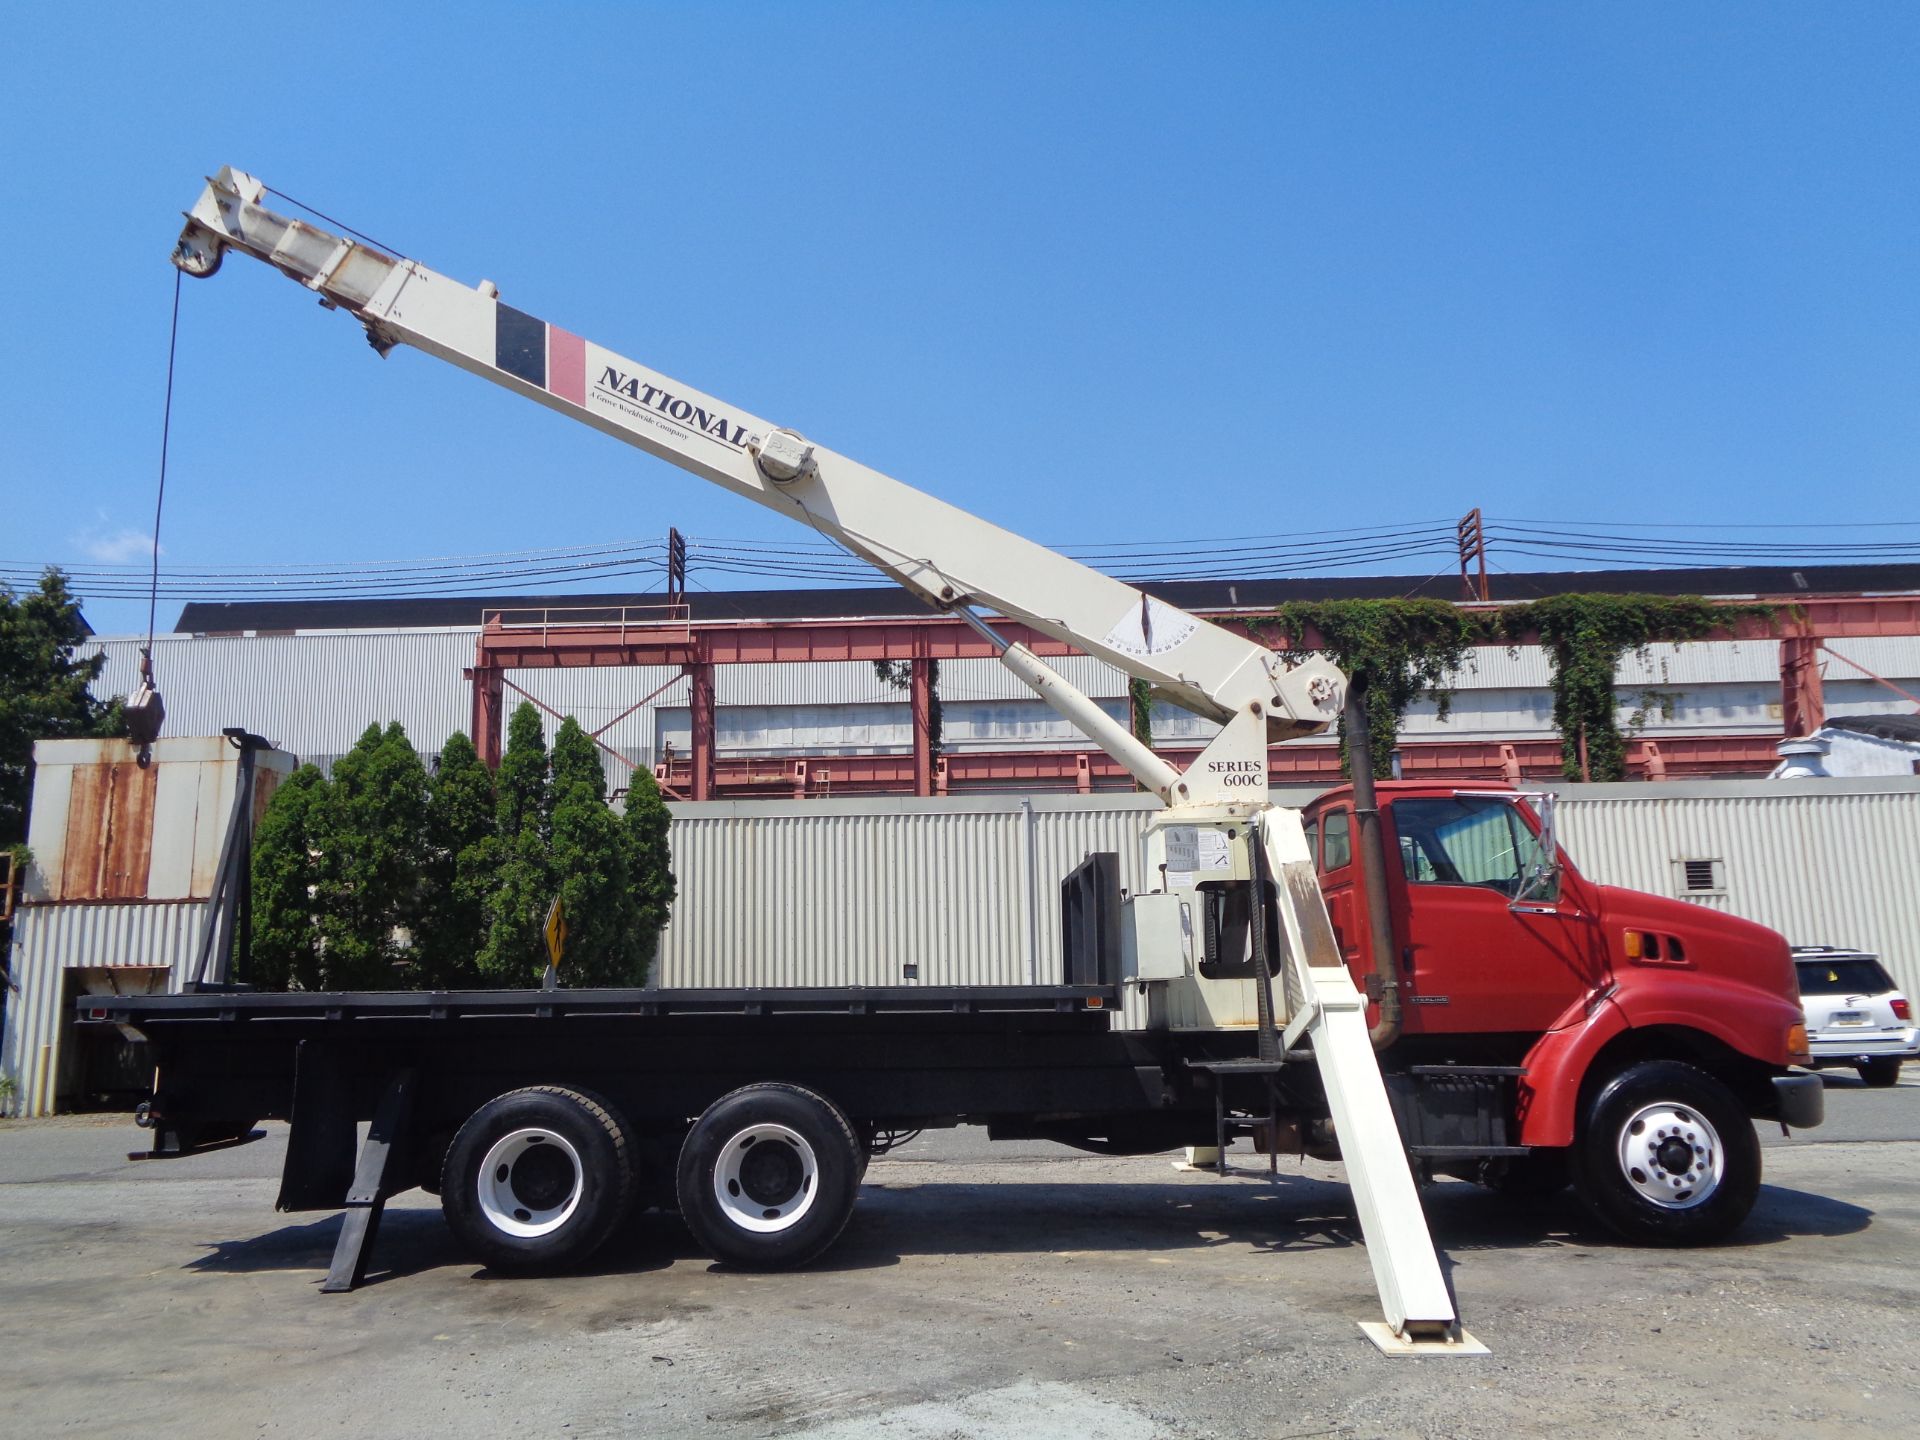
311,694
1823,862
53,942
855,892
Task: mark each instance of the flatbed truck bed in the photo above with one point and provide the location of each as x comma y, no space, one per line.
1040,1061
893,1058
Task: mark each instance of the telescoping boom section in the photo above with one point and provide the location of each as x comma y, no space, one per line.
1219,832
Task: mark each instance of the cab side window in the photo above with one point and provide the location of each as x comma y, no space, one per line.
1336,839
1463,840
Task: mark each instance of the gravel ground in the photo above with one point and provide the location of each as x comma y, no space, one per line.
1004,1291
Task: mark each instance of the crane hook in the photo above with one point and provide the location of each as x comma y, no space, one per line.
144,711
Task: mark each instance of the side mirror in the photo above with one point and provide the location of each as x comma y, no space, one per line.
1540,874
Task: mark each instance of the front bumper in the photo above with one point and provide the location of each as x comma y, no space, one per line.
1800,1101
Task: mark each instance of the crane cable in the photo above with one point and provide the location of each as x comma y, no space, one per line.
144,710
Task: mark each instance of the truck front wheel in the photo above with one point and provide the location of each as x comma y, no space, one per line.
537,1179
1666,1156
768,1176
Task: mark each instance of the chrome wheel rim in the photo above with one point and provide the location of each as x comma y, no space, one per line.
1671,1155
766,1179
530,1183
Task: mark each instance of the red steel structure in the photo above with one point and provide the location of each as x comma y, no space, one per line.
665,635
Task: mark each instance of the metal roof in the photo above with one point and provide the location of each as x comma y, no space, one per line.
1885,727
418,612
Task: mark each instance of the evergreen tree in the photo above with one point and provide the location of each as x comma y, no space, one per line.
43,689
286,872
462,859
520,789
649,870
466,863
590,870
373,848
576,761
515,953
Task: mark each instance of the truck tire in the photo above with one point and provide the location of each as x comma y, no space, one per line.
768,1176
537,1179
1666,1156
1879,1070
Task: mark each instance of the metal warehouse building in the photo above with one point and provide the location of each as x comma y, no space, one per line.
312,675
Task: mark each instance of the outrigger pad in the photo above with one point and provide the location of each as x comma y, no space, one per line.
1388,1343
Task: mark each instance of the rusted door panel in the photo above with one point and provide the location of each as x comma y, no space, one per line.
109,835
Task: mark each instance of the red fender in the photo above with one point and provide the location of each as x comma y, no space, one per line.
1550,1090
1746,1020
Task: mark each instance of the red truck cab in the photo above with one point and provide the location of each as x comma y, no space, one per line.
1641,1032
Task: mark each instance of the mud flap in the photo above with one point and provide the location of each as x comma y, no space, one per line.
319,1164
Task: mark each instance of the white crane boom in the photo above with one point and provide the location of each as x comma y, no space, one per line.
948,557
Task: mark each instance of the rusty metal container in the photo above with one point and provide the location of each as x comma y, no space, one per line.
123,861
103,829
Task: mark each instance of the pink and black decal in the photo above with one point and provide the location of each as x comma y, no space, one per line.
540,354
566,365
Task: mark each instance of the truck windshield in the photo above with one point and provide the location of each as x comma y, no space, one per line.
1464,840
1856,975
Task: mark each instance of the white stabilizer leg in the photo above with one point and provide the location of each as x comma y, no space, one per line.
1420,1317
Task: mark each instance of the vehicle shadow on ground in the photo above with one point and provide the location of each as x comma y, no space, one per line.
409,1242
1783,1214
1008,1217
1289,1214
1466,1217
414,1240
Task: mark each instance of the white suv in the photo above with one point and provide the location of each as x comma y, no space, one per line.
1855,1015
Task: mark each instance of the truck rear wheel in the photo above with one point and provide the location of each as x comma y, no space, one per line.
537,1179
1666,1156
768,1176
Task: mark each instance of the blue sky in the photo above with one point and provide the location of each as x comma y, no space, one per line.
1099,272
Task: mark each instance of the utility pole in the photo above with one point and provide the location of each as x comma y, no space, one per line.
677,567
1473,549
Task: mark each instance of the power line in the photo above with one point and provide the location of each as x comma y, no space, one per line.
801,562
1715,527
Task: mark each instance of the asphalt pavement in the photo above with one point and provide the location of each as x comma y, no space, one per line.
991,1291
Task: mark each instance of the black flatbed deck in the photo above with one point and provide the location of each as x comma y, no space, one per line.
890,1055
236,1005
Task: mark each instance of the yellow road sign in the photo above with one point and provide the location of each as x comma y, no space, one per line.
556,932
